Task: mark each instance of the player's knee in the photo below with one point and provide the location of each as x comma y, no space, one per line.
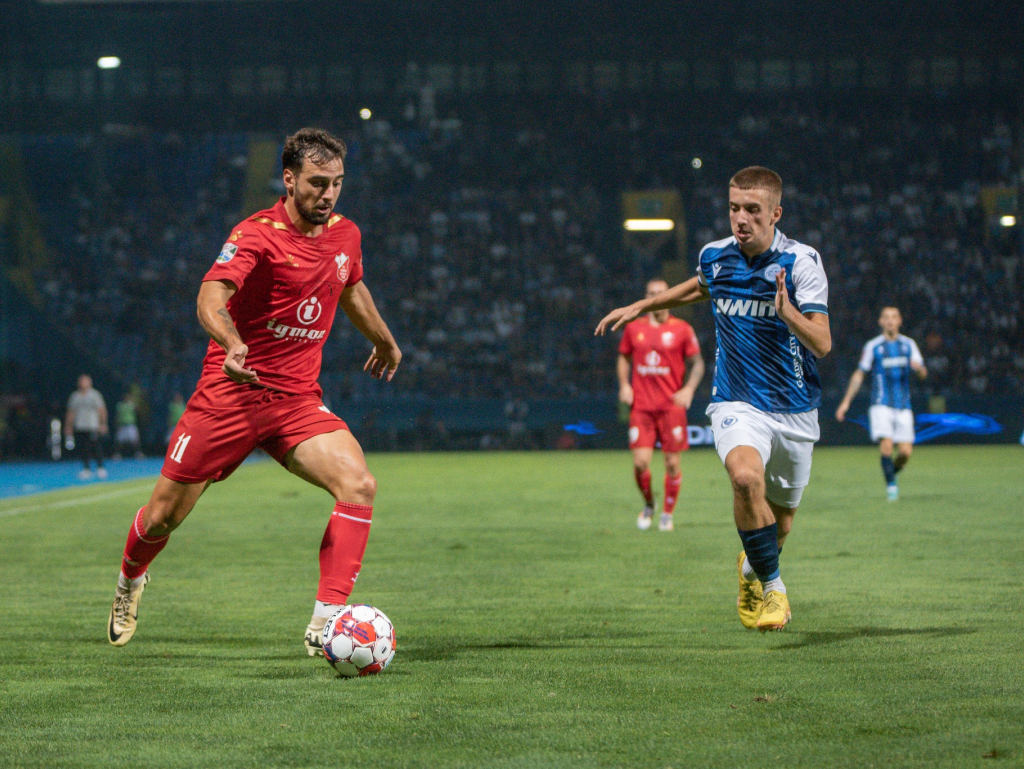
747,482
162,517
360,487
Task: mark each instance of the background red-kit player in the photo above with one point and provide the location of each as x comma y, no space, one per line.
659,368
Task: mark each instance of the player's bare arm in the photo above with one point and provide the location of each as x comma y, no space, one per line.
687,292
812,329
920,369
851,389
694,374
358,304
212,309
623,368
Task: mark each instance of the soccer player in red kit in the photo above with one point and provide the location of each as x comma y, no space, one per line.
268,304
659,367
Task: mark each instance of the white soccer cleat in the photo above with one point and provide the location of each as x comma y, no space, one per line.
892,492
314,639
124,613
665,522
101,473
643,521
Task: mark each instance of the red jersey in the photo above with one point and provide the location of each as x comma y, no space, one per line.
659,353
288,290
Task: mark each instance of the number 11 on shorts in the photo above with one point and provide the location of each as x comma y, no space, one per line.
179,447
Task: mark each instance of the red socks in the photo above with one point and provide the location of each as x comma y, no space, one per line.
672,484
643,481
341,551
139,551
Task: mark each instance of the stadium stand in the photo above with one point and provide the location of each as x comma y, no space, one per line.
488,190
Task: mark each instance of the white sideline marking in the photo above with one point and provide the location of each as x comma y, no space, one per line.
69,502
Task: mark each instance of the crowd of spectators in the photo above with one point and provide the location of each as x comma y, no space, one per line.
492,238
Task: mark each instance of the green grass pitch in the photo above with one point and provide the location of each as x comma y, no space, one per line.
536,626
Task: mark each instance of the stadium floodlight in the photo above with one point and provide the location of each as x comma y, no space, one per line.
1008,220
365,113
649,225
108,62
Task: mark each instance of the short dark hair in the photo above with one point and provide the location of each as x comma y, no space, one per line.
314,143
758,178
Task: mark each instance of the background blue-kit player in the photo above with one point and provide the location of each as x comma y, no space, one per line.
889,358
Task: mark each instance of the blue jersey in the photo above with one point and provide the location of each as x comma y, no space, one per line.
888,361
758,360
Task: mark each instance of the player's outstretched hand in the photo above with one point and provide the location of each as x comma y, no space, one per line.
781,295
616,319
234,365
841,412
383,362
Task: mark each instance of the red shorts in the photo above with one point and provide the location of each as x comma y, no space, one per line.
210,441
668,427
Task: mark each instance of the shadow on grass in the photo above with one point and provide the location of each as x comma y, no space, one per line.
569,643
801,639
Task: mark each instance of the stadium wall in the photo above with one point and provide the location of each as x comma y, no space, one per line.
591,422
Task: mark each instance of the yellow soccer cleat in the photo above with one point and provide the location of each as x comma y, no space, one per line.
775,613
124,613
748,602
314,639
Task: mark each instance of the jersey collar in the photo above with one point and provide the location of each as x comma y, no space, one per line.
773,249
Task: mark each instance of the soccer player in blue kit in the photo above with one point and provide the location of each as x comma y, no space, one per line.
889,357
769,300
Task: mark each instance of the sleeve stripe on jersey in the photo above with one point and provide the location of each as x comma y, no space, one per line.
814,307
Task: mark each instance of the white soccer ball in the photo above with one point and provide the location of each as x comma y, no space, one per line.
359,640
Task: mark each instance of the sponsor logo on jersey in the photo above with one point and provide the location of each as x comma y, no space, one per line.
236,235
634,434
753,308
798,361
309,311
342,261
729,421
227,253
282,330
895,362
651,365
715,269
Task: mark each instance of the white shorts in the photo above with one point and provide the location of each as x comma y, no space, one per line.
127,434
784,441
887,422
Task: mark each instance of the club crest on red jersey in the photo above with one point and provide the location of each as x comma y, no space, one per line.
343,266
